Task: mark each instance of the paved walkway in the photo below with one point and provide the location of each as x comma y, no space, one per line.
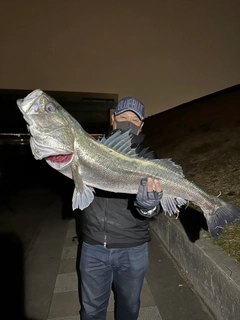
65,305
46,286
52,286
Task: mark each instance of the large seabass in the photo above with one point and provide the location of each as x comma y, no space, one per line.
111,164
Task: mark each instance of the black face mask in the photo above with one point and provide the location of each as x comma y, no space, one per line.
126,125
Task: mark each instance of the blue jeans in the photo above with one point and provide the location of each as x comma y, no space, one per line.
101,269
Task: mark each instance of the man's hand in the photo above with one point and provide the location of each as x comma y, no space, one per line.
149,196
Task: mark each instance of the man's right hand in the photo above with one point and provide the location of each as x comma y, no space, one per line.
149,194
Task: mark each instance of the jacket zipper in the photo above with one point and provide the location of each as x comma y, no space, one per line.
105,228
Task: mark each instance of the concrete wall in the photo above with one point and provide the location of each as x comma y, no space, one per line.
214,275
164,52
203,137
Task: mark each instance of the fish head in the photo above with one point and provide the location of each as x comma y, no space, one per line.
51,129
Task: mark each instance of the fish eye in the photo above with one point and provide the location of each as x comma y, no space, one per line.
50,108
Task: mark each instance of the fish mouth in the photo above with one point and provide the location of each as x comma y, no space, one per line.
59,161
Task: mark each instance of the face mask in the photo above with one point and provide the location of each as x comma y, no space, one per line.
126,125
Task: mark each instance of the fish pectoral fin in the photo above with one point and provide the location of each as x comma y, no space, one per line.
82,195
172,205
83,199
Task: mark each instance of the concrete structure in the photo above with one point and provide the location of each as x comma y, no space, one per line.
214,274
203,136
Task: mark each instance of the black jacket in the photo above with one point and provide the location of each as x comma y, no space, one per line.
112,219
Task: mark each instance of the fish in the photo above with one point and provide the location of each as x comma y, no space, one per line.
111,164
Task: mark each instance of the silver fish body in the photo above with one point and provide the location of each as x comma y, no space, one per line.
111,164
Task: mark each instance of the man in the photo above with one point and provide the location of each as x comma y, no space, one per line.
115,232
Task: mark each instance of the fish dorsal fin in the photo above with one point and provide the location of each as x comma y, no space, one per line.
120,142
145,153
107,141
170,165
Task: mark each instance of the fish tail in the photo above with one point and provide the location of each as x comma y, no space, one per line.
219,215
